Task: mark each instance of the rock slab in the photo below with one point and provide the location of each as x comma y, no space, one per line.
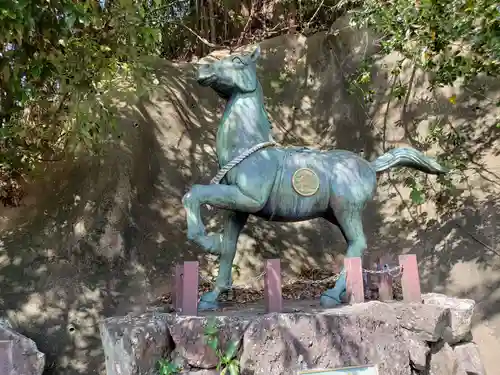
444,362
469,359
461,315
19,355
418,351
427,322
347,336
134,344
191,347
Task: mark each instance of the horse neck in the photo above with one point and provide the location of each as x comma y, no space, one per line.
244,124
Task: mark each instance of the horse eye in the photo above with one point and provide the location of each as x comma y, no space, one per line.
238,60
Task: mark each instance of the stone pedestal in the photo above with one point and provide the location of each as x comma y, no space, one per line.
402,338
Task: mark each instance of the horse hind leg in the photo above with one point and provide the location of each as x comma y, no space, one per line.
349,220
233,224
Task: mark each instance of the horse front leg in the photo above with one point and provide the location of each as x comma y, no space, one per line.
239,204
226,197
234,222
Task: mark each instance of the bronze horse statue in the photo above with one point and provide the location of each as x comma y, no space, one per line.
275,183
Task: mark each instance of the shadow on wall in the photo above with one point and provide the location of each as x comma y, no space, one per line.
101,235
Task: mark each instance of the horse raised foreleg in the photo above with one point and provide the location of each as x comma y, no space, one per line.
239,205
226,197
351,225
233,224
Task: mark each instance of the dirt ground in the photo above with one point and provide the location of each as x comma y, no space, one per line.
99,237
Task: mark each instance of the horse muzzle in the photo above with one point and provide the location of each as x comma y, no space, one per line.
205,75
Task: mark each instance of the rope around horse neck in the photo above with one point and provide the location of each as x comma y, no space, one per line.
237,160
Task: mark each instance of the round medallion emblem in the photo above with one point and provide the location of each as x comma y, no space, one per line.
305,182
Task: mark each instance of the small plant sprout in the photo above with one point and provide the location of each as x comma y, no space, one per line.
168,368
227,362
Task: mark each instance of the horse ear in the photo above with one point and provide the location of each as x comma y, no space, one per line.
256,53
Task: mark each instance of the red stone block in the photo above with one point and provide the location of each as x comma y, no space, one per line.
177,288
272,286
190,279
384,285
354,280
410,279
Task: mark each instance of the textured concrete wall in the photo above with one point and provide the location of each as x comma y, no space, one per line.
99,237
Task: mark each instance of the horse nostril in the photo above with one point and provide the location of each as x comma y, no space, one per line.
203,67
204,74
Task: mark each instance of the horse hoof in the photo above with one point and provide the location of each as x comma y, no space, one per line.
328,301
208,305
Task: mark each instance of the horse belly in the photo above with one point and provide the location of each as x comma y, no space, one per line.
287,204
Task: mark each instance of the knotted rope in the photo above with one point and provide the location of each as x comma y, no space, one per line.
237,160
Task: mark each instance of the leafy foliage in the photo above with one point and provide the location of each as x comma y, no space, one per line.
454,42
452,39
167,368
64,65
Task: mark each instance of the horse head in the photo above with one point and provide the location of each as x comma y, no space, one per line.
230,75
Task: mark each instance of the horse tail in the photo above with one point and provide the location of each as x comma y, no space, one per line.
407,157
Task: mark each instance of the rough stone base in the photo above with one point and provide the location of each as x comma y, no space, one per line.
402,339
18,354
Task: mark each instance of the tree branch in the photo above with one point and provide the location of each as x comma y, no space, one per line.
199,37
247,25
489,248
315,14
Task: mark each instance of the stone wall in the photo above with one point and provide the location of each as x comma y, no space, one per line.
429,338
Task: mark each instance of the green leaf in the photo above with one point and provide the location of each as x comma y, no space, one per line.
211,328
213,343
211,331
231,349
70,20
167,368
234,368
417,196
36,71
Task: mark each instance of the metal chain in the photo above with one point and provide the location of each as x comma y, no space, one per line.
322,281
259,276
393,272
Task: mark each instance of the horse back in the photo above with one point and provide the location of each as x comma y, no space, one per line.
336,173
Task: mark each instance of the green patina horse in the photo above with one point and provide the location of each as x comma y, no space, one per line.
277,183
